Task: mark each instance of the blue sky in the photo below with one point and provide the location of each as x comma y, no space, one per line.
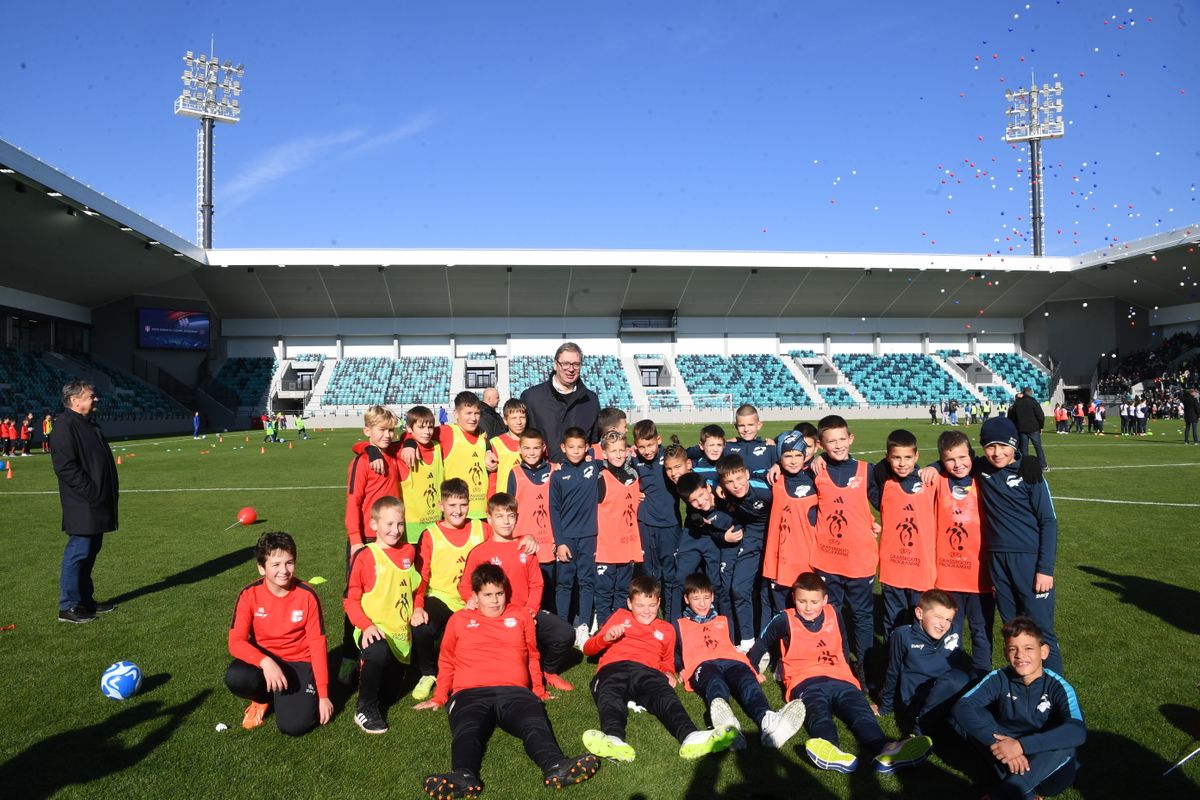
873,126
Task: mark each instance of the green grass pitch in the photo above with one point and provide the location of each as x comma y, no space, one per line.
1128,616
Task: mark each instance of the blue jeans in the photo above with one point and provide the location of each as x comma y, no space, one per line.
75,577
1023,440
722,677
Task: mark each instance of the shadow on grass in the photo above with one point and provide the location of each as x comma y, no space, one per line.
196,574
1185,718
83,755
1174,605
763,775
1115,766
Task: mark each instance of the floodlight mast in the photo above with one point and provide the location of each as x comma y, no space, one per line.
1034,114
210,92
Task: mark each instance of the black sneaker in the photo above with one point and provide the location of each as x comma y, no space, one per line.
369,720
76,614
103,608
571,771
459,783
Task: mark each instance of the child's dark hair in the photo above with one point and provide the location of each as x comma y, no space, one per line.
832,422
513,404
466,399
383,504
533,433
689,483
270,542
809,582
727,465
488,575
952,439
901,438
711,432
644,585
455,489
675,450
609,418
501,501
936,597
1022,625
418,414
644,429
696,582
807,429
574,433
745,410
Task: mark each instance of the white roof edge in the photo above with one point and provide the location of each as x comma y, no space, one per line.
1137,247
34,169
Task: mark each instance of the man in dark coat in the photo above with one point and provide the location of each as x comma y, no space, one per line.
562,401
1026,413
87,489
1191,414
490,420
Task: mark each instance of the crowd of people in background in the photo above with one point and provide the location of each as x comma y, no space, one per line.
951,412
17,434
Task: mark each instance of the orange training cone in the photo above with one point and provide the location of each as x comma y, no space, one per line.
9,475
289,445
262,451
118,461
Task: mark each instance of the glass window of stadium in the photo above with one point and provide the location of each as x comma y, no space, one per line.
650,376
481,378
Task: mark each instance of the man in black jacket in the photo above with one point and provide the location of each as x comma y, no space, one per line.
87,489
490,421
1026,413
562,401
1191,414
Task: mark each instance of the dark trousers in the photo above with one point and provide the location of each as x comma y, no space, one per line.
931,704
898,605
617,683
740,569
1051,772
1023,441
580,569
427,637
549,574
612,589
694,551
978,611
854,595
295,706
349,646
475,713
1013,576
723,677
826,697
555,640
75,576
1190,427
378,665
659,544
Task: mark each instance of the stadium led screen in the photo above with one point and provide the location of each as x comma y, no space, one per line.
165,329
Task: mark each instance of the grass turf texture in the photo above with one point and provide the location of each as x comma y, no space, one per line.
1128,616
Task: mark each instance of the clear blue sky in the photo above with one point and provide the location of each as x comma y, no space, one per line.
709,125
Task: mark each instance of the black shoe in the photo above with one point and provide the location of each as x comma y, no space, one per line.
102,608
76,614
459,783
571,771
369,720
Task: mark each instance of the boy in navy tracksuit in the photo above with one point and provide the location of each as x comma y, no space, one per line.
748,501
695,547
758,456
1026,716
658,514
574,496
712,530
927,668
705,455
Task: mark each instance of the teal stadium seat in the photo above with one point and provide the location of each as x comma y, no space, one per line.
604,375
836,396
309,358
373,380
32,385
663,398
131,399
244,381
900,379
995,392
1018,372
755,378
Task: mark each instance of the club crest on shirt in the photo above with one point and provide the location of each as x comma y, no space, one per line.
918,488
1044,704
510,622
297,615
1013,481
960,492
950,643
853,483
521,557
588,471
472,623
406,563
496,561
261,613
658,635
802,490
758,451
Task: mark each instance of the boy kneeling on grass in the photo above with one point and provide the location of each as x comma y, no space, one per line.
816,669
1026,716
488,675
638,664
277,641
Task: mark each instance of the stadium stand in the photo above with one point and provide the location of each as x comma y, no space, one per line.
802,354
663,398
995,392
755,378
309,358
1017,372
836,396
28,384
948,354
419,379
602,374
244,381
898,380
365,381
130,398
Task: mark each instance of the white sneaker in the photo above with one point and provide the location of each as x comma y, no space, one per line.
779,726
581,636
744,645
722,717
764,662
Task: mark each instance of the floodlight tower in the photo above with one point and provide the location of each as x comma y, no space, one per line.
1034,114
210,92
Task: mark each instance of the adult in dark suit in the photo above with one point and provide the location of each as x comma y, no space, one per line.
562,402
1191,414
490,420
88,490
1026,413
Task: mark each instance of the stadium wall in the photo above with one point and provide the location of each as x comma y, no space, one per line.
1075,333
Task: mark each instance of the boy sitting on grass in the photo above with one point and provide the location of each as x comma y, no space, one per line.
816,669
488,675
710,665
638,664
1026,716
277,641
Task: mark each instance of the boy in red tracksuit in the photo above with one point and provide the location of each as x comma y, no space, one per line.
26,433
618,540
277,640
638,664
554,636
488,676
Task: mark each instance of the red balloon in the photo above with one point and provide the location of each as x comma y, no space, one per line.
247,516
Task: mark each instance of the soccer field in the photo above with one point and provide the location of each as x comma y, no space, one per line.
1128,616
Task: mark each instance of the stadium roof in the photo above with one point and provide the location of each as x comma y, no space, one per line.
66,241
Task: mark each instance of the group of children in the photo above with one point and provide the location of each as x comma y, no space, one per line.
16,437
454,541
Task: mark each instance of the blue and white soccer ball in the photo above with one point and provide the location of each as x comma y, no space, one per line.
121,681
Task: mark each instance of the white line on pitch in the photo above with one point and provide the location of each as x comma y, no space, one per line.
205,489
1127,502
1126,466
